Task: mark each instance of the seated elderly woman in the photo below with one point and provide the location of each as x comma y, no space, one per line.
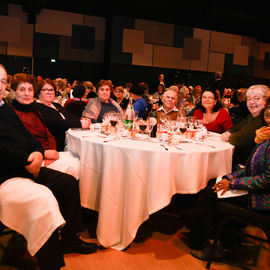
121,100
242,135
97,107
254,178
56,118
209,109
23,91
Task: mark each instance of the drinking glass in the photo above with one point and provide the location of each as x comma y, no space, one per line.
142,128
182,125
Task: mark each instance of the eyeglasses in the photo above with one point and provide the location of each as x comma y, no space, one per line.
210,98
255,99
47,91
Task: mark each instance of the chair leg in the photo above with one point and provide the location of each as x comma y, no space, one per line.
217,234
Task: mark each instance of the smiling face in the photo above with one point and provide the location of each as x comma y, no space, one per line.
208,100
267,114
3,82
103,93
47,94
24,93
169,100
255,103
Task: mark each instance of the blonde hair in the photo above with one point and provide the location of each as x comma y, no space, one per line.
259,89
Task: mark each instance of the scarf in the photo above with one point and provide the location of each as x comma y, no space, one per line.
262,134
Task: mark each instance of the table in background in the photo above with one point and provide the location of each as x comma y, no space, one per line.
127,180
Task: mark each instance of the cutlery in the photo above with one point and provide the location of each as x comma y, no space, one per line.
164,146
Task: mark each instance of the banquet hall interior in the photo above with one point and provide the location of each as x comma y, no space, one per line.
129,42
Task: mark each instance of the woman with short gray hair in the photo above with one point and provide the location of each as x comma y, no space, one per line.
242,135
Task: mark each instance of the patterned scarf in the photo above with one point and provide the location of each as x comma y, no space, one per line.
262,134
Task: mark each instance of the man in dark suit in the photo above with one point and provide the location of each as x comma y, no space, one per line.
218,84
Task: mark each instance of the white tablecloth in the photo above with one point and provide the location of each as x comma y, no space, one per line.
127,180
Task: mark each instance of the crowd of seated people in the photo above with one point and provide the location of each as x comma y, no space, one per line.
48,120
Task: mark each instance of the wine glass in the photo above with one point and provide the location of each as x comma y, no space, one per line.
152,122
163,118
182,125
142,127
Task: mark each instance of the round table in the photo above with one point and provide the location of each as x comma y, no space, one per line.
127,180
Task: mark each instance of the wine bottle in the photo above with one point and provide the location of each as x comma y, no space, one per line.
129,116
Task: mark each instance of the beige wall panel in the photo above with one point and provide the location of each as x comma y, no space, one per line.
204,35
11,31
216,62
251,43
68,53
149,29
133,41
57,22
25,47
169,57
164,34
223,42
145,58
3,48
263,48
259,70
240,55
99,23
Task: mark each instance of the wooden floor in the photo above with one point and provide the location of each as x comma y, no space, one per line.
158,245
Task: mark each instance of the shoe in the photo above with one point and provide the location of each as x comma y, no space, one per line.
80,246
204,253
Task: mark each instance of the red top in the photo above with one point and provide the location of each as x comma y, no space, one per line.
35,126
222,123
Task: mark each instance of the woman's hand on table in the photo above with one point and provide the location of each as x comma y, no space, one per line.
85,122
51,154
222,185
226,136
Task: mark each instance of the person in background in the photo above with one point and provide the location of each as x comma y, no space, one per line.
242,135
119,93
90,90
103,103
168,108
139,103
218,84
209,109
127,87
56,117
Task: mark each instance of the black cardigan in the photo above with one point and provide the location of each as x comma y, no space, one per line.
16,144
56,124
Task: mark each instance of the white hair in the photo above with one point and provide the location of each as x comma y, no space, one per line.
259,89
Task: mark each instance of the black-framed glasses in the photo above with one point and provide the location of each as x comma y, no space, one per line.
47,91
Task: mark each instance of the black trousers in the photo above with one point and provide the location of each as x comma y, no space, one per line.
204,222
66,190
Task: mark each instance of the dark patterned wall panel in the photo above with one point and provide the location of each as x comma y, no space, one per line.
236,69
83,37
259,70
46,45
66,52
117,56
266,62
3,48
3,9
180,32
192,48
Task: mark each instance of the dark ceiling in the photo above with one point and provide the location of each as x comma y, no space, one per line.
248,18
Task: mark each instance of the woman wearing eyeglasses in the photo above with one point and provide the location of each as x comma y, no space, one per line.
56,117
242,135
209,109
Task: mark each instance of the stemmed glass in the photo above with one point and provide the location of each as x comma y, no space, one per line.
142,127
182,124
151,123
163,118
